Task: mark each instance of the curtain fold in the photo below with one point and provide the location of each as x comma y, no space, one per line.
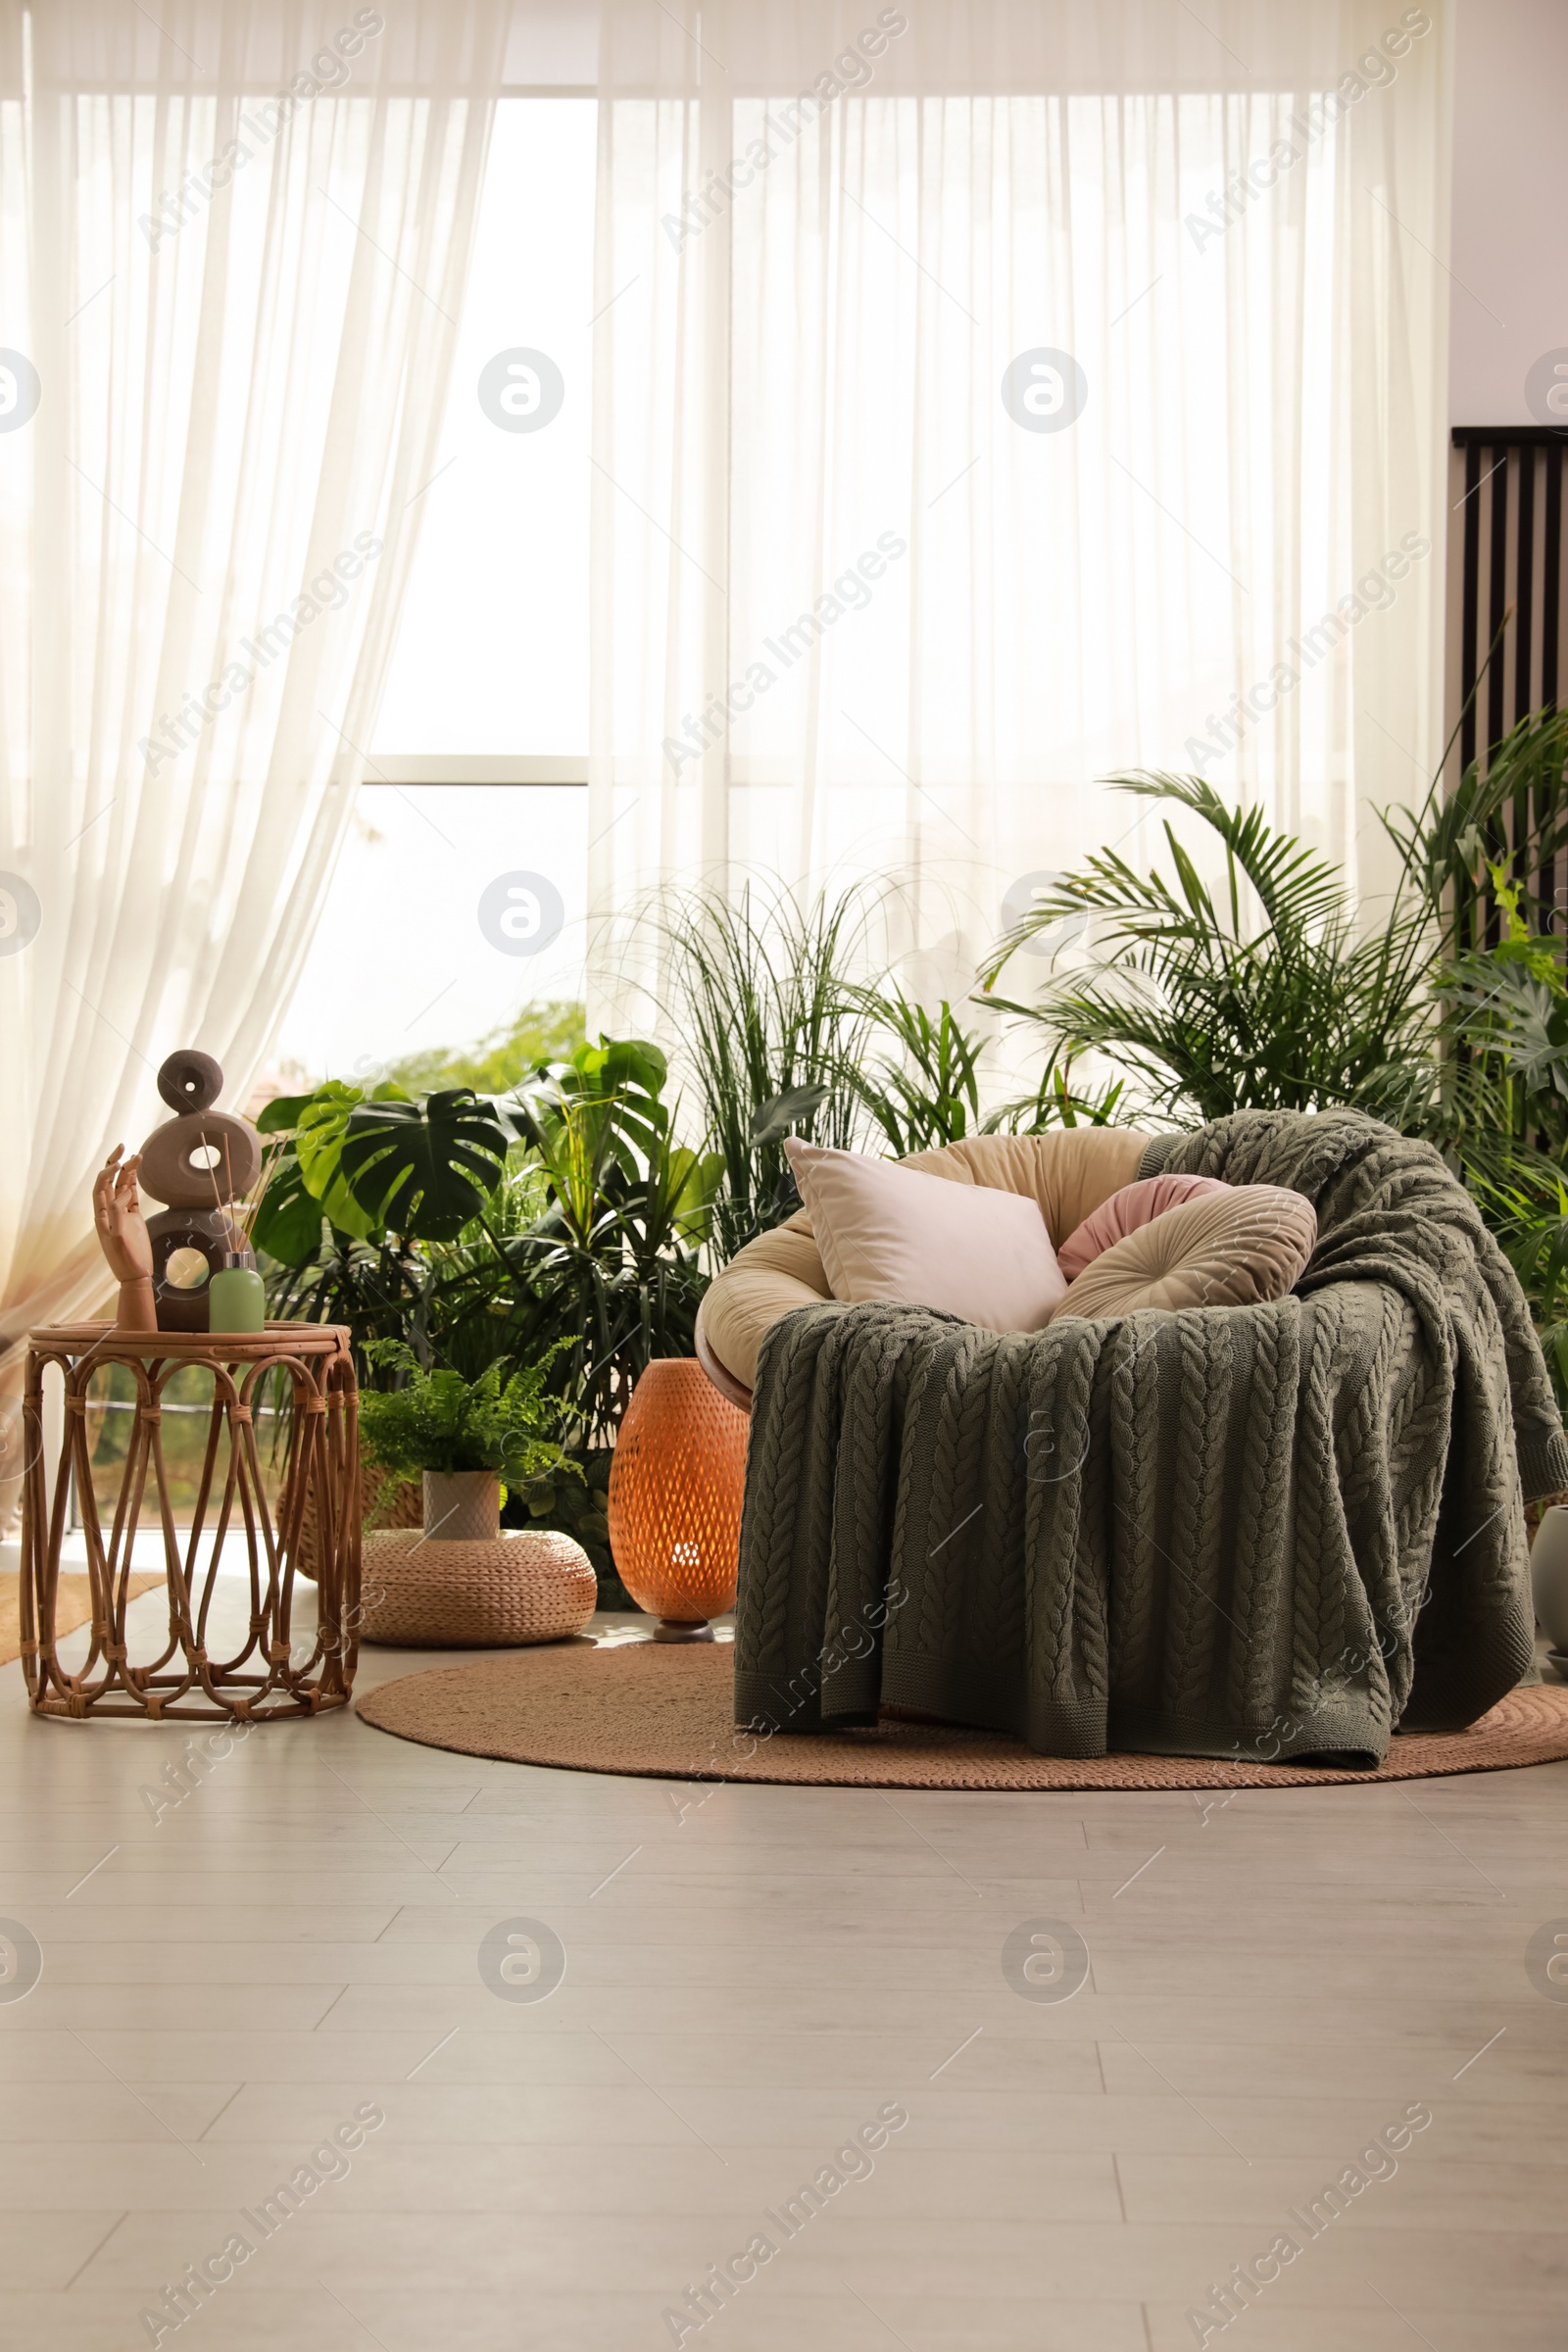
990,399
234,242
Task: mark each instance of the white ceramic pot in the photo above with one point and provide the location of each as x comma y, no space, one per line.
1548,1574
464,1508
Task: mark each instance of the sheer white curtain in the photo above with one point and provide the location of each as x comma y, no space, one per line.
990,397
234,245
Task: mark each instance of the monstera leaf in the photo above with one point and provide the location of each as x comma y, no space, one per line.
423,1169
288,1223
282,1113
311,1172
319,1133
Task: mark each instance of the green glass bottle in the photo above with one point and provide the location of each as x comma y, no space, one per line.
236,1296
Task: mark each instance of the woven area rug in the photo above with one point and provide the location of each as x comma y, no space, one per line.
664,1713
73,1607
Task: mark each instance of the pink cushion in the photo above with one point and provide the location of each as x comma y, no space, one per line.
1134,1206
888,1231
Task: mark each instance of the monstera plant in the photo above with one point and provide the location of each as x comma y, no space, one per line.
559,1223
362,1186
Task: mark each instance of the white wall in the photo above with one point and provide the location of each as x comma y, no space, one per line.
1510,257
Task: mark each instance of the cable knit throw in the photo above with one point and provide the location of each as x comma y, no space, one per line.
1260,1530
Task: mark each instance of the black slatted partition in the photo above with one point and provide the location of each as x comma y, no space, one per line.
1506,560
1511,556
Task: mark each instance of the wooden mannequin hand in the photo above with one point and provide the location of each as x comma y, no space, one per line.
117,1213
123,1238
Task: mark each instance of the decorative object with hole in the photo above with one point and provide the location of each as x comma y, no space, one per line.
198,1162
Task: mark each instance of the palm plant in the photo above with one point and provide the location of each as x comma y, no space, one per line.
1504,820
760,989
1263,996
923,1089
926,1090
1449,1018
1059,1100
1276,996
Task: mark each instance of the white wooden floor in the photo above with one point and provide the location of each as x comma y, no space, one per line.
747,1982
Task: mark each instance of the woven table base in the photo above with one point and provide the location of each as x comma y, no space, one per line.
666,1713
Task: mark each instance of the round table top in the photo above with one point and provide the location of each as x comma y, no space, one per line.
196,1346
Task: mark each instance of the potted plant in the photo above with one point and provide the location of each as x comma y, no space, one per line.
463,1583
463,1438
483,1232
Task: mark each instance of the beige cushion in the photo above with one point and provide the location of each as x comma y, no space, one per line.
901,1233
1066,1174
1230,1248
778,1271
1134,1206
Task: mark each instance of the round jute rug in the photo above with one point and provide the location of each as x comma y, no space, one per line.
664,1713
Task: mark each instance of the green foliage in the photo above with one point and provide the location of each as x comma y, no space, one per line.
1058,1102
760,991
424,1168
326,1219
1265,998
563,1220
306,1183
536,1035
1513,808
380,1291
439,1421
557,1218
612,1263
1535,1239
1447,1016
1509,1006
926,1090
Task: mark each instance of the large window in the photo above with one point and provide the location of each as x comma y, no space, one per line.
478,763
431,937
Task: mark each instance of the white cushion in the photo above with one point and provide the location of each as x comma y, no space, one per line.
891,1231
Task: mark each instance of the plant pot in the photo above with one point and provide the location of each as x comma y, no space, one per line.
1548,1574
462,1508
512,1591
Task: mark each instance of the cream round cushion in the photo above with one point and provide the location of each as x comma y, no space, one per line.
1125,1211
1067,1173
1238,1247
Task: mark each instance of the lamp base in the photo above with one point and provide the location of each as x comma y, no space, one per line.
682,1628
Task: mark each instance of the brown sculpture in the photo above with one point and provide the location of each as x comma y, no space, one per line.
198,1163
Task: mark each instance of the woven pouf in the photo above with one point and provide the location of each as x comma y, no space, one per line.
498,1593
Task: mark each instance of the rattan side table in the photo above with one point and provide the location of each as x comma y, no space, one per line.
183,1682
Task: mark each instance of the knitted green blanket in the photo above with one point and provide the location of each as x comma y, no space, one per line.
1260,1532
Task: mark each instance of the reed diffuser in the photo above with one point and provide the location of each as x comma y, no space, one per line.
236,1294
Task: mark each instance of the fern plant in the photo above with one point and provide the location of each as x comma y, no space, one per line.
439,1421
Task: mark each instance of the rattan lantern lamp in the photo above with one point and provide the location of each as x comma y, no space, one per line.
676,1480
